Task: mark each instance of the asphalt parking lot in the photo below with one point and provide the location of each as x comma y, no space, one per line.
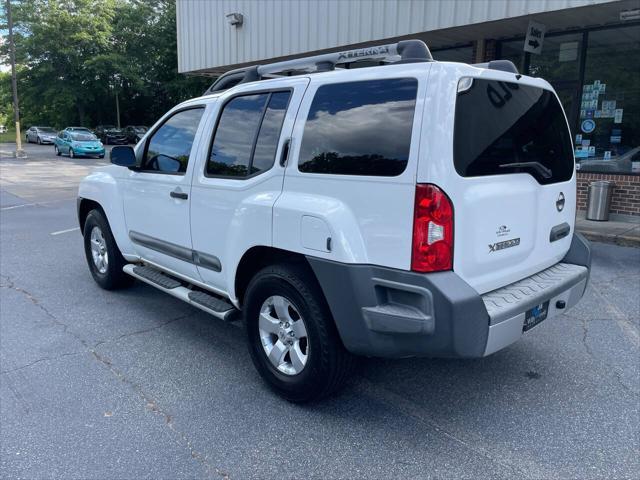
136,384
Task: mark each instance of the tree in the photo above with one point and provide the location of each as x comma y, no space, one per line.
75,55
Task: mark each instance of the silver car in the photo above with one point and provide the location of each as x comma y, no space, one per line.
40,135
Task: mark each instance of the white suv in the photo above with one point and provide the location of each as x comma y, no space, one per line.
408,208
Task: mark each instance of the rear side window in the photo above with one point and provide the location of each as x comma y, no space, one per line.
169,148
505,127
247,135
360,128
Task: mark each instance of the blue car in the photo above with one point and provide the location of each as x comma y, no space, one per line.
78,143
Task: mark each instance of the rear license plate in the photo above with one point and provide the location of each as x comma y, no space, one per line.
535,315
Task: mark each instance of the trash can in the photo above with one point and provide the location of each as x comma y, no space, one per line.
599,200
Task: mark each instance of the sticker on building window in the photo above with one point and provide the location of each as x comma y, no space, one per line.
588,126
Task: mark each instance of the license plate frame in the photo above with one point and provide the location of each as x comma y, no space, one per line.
535,316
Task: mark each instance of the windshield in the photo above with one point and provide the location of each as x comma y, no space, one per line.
83,137
46,130
504,127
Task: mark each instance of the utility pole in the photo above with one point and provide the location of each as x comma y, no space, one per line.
117,109
14,82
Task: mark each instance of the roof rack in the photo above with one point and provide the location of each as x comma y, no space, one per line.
503,65
405,51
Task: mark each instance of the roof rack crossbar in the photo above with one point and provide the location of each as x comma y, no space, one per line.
405,51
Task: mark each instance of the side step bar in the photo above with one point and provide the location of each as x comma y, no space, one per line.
210,303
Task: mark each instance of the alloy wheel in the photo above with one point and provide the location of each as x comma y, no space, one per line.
99,252
283,335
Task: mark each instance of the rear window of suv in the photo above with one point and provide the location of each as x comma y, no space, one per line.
506,127
360,128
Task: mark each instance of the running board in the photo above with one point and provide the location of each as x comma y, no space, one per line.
210,303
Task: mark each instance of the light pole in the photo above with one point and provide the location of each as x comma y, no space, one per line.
14,82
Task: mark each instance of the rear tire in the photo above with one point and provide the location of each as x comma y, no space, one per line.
326,364
103,256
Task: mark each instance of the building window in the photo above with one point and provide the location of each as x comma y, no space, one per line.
456,54
608,139
596,75
513,50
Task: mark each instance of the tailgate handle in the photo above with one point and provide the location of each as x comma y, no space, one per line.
559,231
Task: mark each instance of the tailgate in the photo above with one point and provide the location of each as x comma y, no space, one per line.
511,179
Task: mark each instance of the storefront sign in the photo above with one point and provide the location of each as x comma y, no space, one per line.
588,126
535,37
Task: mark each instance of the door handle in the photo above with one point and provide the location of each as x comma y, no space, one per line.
180,195
284,156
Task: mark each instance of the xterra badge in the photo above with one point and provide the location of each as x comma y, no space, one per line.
514,242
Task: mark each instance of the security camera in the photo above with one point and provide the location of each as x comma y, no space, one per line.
235,19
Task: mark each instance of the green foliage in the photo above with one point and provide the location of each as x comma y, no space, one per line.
73,57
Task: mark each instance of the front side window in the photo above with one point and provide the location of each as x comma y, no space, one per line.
169,148
360,128
506,127
246,139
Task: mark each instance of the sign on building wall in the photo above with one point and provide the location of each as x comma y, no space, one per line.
535,37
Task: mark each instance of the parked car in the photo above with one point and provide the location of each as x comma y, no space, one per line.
3,129
618,163
416,208
76,143
135,133
111,135
40,135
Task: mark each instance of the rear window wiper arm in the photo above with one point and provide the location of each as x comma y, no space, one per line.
537,166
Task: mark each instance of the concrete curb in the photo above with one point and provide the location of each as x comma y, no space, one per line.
622,240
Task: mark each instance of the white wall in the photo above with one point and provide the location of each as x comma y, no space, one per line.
275,28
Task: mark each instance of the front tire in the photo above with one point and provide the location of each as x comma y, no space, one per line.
39,141
72,154
103,256
58,152
293,341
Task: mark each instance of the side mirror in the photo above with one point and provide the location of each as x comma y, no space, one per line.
123,156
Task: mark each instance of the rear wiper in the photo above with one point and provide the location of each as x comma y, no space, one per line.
537,166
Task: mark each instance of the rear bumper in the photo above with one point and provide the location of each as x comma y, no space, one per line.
395,313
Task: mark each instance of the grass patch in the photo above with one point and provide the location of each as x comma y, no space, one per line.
9,136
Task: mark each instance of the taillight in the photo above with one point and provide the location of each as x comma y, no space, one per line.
432,230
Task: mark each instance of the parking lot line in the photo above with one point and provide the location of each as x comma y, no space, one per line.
65,231
19,206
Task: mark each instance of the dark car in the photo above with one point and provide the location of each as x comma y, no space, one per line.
135,133
111,135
